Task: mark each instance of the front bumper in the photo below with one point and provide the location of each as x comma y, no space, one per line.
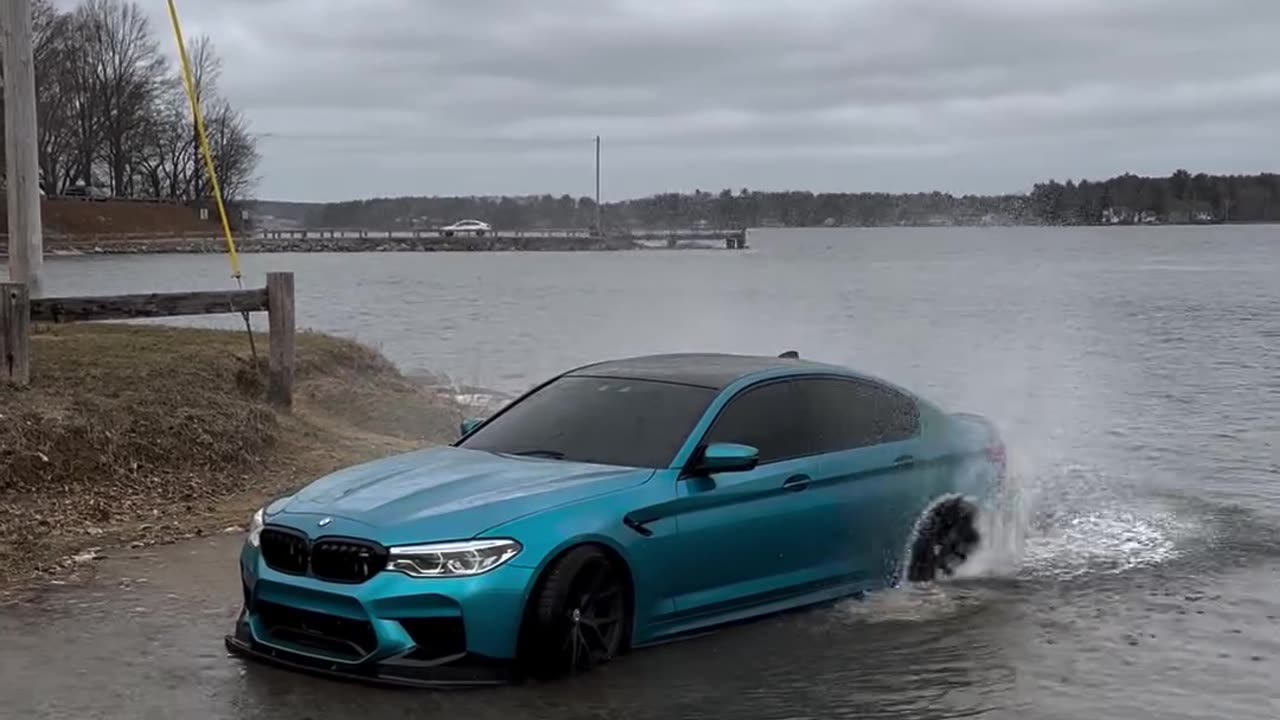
462,672
391,629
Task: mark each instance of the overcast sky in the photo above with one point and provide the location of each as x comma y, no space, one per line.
391,97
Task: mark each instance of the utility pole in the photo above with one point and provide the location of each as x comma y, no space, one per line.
599,227
22,166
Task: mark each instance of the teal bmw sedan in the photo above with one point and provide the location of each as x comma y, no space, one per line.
614,506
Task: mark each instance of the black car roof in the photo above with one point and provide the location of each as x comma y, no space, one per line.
715,371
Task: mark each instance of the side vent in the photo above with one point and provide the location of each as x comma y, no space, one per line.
636,526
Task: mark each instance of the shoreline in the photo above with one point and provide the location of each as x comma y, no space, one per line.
132,436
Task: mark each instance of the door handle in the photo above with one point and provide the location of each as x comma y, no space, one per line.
796,483
904,461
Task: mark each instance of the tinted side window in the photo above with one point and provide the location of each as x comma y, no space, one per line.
773,418
854,414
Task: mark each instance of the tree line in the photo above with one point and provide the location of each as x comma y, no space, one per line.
1127,199
113,112
1179,198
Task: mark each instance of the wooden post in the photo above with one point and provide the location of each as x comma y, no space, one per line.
22,167
280,319
15,334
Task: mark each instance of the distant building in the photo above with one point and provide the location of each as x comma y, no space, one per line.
1117,216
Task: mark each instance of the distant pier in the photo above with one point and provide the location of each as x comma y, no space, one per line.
670,238
392,240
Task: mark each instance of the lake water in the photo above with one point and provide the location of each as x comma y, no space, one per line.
1134,372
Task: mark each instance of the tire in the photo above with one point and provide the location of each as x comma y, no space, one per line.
448,233
577,617
946,538
479,233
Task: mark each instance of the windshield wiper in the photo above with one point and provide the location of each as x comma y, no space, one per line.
552,454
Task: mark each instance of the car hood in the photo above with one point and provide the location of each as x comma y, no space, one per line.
443,494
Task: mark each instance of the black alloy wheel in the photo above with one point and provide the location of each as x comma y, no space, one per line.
578,618
945,540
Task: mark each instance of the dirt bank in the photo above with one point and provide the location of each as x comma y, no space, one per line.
140,434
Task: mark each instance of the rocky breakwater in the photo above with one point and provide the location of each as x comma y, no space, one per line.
104,246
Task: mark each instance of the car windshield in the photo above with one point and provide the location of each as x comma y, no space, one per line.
611,421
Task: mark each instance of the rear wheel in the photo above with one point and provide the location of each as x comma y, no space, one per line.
944,541
578,616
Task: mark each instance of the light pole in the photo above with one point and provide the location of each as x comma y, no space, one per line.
599,226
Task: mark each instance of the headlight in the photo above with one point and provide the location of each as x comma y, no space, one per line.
452,559
255,528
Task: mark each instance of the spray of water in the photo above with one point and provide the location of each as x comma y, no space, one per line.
1066,521
1065,510
1003,528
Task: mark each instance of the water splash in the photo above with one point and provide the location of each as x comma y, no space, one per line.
1003,528
913,604
1071,520
1109,540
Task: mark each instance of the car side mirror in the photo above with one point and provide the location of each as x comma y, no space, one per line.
469,424
728,458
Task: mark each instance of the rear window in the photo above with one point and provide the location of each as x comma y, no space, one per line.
611,421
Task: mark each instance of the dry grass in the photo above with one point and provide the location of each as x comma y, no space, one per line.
142,433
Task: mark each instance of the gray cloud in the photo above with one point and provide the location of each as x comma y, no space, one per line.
504,96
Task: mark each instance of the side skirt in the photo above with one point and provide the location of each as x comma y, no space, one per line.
683,629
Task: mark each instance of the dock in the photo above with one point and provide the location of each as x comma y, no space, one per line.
289,240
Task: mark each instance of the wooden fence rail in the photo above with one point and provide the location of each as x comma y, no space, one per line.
18,311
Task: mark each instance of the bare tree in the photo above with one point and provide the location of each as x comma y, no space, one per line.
82,102
206,71
111,108
49,28
163,164
176,165
128,71
234,151
55,50
206,66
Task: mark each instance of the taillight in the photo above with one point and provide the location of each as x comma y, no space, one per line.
996,455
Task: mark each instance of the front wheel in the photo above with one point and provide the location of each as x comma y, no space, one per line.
577,617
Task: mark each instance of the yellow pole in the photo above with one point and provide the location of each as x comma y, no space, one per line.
189,83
